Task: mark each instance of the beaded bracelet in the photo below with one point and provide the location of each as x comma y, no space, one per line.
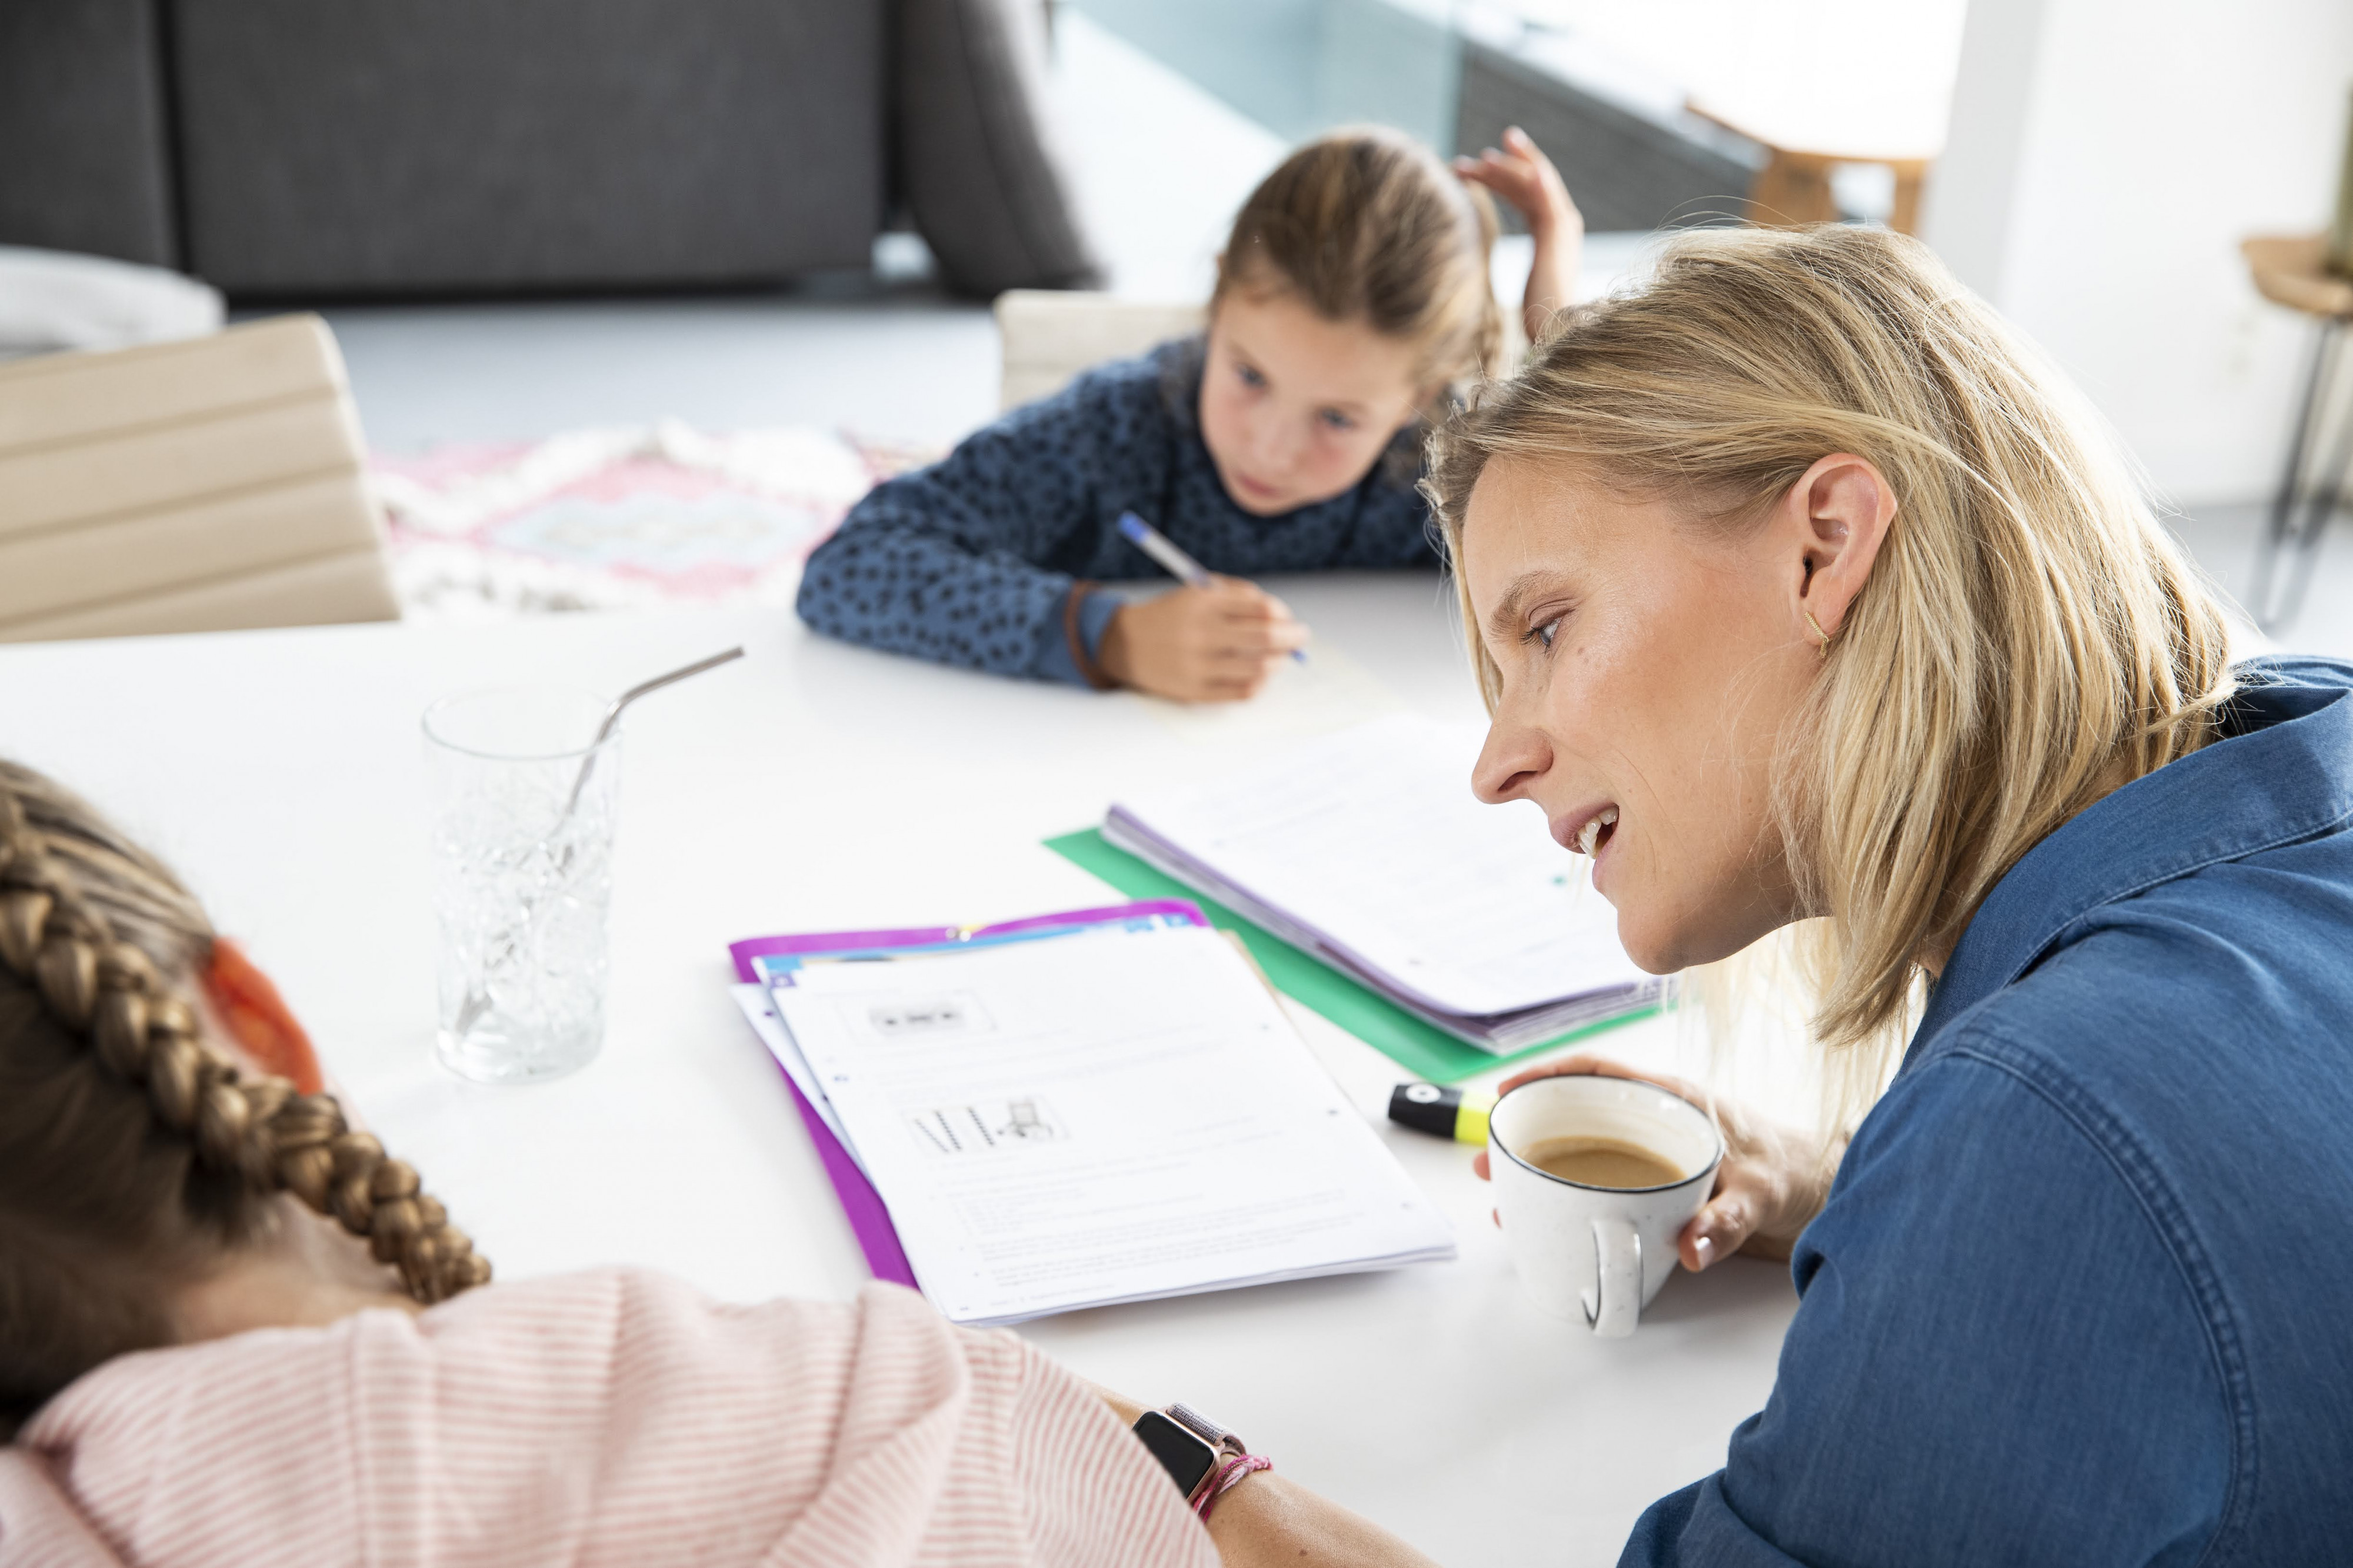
1229,1476
1090,670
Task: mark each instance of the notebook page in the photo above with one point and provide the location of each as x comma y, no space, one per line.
1373,838
1099,1119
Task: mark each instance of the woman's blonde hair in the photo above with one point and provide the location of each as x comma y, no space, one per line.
1367,224
135,1157
2030,638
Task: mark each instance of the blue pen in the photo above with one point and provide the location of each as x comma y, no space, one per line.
1177,565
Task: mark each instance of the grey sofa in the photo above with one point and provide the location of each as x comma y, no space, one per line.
286,149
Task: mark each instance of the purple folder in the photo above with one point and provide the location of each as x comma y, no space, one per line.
868,1220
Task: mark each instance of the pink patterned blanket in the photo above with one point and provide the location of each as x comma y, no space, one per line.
632,515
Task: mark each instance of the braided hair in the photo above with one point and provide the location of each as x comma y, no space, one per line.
135,1154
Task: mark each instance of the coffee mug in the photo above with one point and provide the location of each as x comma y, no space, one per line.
1592,1244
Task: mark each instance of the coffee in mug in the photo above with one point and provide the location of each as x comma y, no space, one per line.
1602,1162
1595,1177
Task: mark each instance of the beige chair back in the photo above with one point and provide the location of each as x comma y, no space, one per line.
1048,336
205,485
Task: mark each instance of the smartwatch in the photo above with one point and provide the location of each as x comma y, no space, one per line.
1190,1446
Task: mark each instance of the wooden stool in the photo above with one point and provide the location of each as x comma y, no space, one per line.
2291,271
1793,188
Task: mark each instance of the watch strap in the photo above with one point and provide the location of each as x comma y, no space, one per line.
1219,1438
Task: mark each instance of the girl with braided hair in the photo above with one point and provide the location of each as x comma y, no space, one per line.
107,1047
233,1331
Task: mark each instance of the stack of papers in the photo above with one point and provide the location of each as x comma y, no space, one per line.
1368,850
1070,1115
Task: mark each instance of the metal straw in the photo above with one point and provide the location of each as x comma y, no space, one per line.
612,717
477,1000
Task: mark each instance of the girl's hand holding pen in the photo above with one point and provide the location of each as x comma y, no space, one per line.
1216,643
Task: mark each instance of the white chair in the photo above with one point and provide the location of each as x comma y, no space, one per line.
1048,336
208,485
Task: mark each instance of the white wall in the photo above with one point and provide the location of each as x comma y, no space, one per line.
1160,165
2107,157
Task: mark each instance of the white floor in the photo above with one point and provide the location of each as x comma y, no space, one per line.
908,364
2224,538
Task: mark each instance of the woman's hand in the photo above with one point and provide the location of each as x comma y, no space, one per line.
1520,175
1772,1182
1216,644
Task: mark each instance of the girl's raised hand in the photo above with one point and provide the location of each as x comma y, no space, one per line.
1216,644
1774,1179
1520,175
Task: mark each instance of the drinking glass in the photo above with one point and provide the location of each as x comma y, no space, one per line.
522,875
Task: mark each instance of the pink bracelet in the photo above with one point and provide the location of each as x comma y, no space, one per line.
1229,1476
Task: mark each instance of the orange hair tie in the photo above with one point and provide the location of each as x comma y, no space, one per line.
257,1018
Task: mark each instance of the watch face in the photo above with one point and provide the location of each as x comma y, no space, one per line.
1184,1455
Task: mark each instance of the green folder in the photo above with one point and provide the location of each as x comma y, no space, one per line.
1422,1048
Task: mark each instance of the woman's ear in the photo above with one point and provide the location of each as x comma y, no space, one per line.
1834,518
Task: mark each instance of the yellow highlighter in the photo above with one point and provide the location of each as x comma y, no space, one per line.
1435,1108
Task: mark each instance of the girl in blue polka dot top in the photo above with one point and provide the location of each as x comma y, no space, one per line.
1351,299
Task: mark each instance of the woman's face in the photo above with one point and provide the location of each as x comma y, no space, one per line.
1649,665
1296,409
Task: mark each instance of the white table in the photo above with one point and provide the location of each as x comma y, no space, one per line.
819,787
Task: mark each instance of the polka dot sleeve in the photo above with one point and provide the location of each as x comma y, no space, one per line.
970,561
966,562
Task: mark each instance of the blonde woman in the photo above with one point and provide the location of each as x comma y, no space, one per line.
1801,590
234,1331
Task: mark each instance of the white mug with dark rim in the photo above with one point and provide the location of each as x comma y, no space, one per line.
1593,1253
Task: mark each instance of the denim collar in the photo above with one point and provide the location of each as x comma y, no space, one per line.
2282,772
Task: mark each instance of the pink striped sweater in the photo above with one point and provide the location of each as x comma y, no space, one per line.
612,1417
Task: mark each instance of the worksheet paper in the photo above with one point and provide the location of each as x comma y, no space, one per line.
761,1013
1099,1119
781,968
1371,842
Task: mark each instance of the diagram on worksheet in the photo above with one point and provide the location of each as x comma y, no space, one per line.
950,1131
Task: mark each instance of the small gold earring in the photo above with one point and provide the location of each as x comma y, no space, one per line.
1824,650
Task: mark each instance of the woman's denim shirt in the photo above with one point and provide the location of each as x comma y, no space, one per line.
2083,1293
